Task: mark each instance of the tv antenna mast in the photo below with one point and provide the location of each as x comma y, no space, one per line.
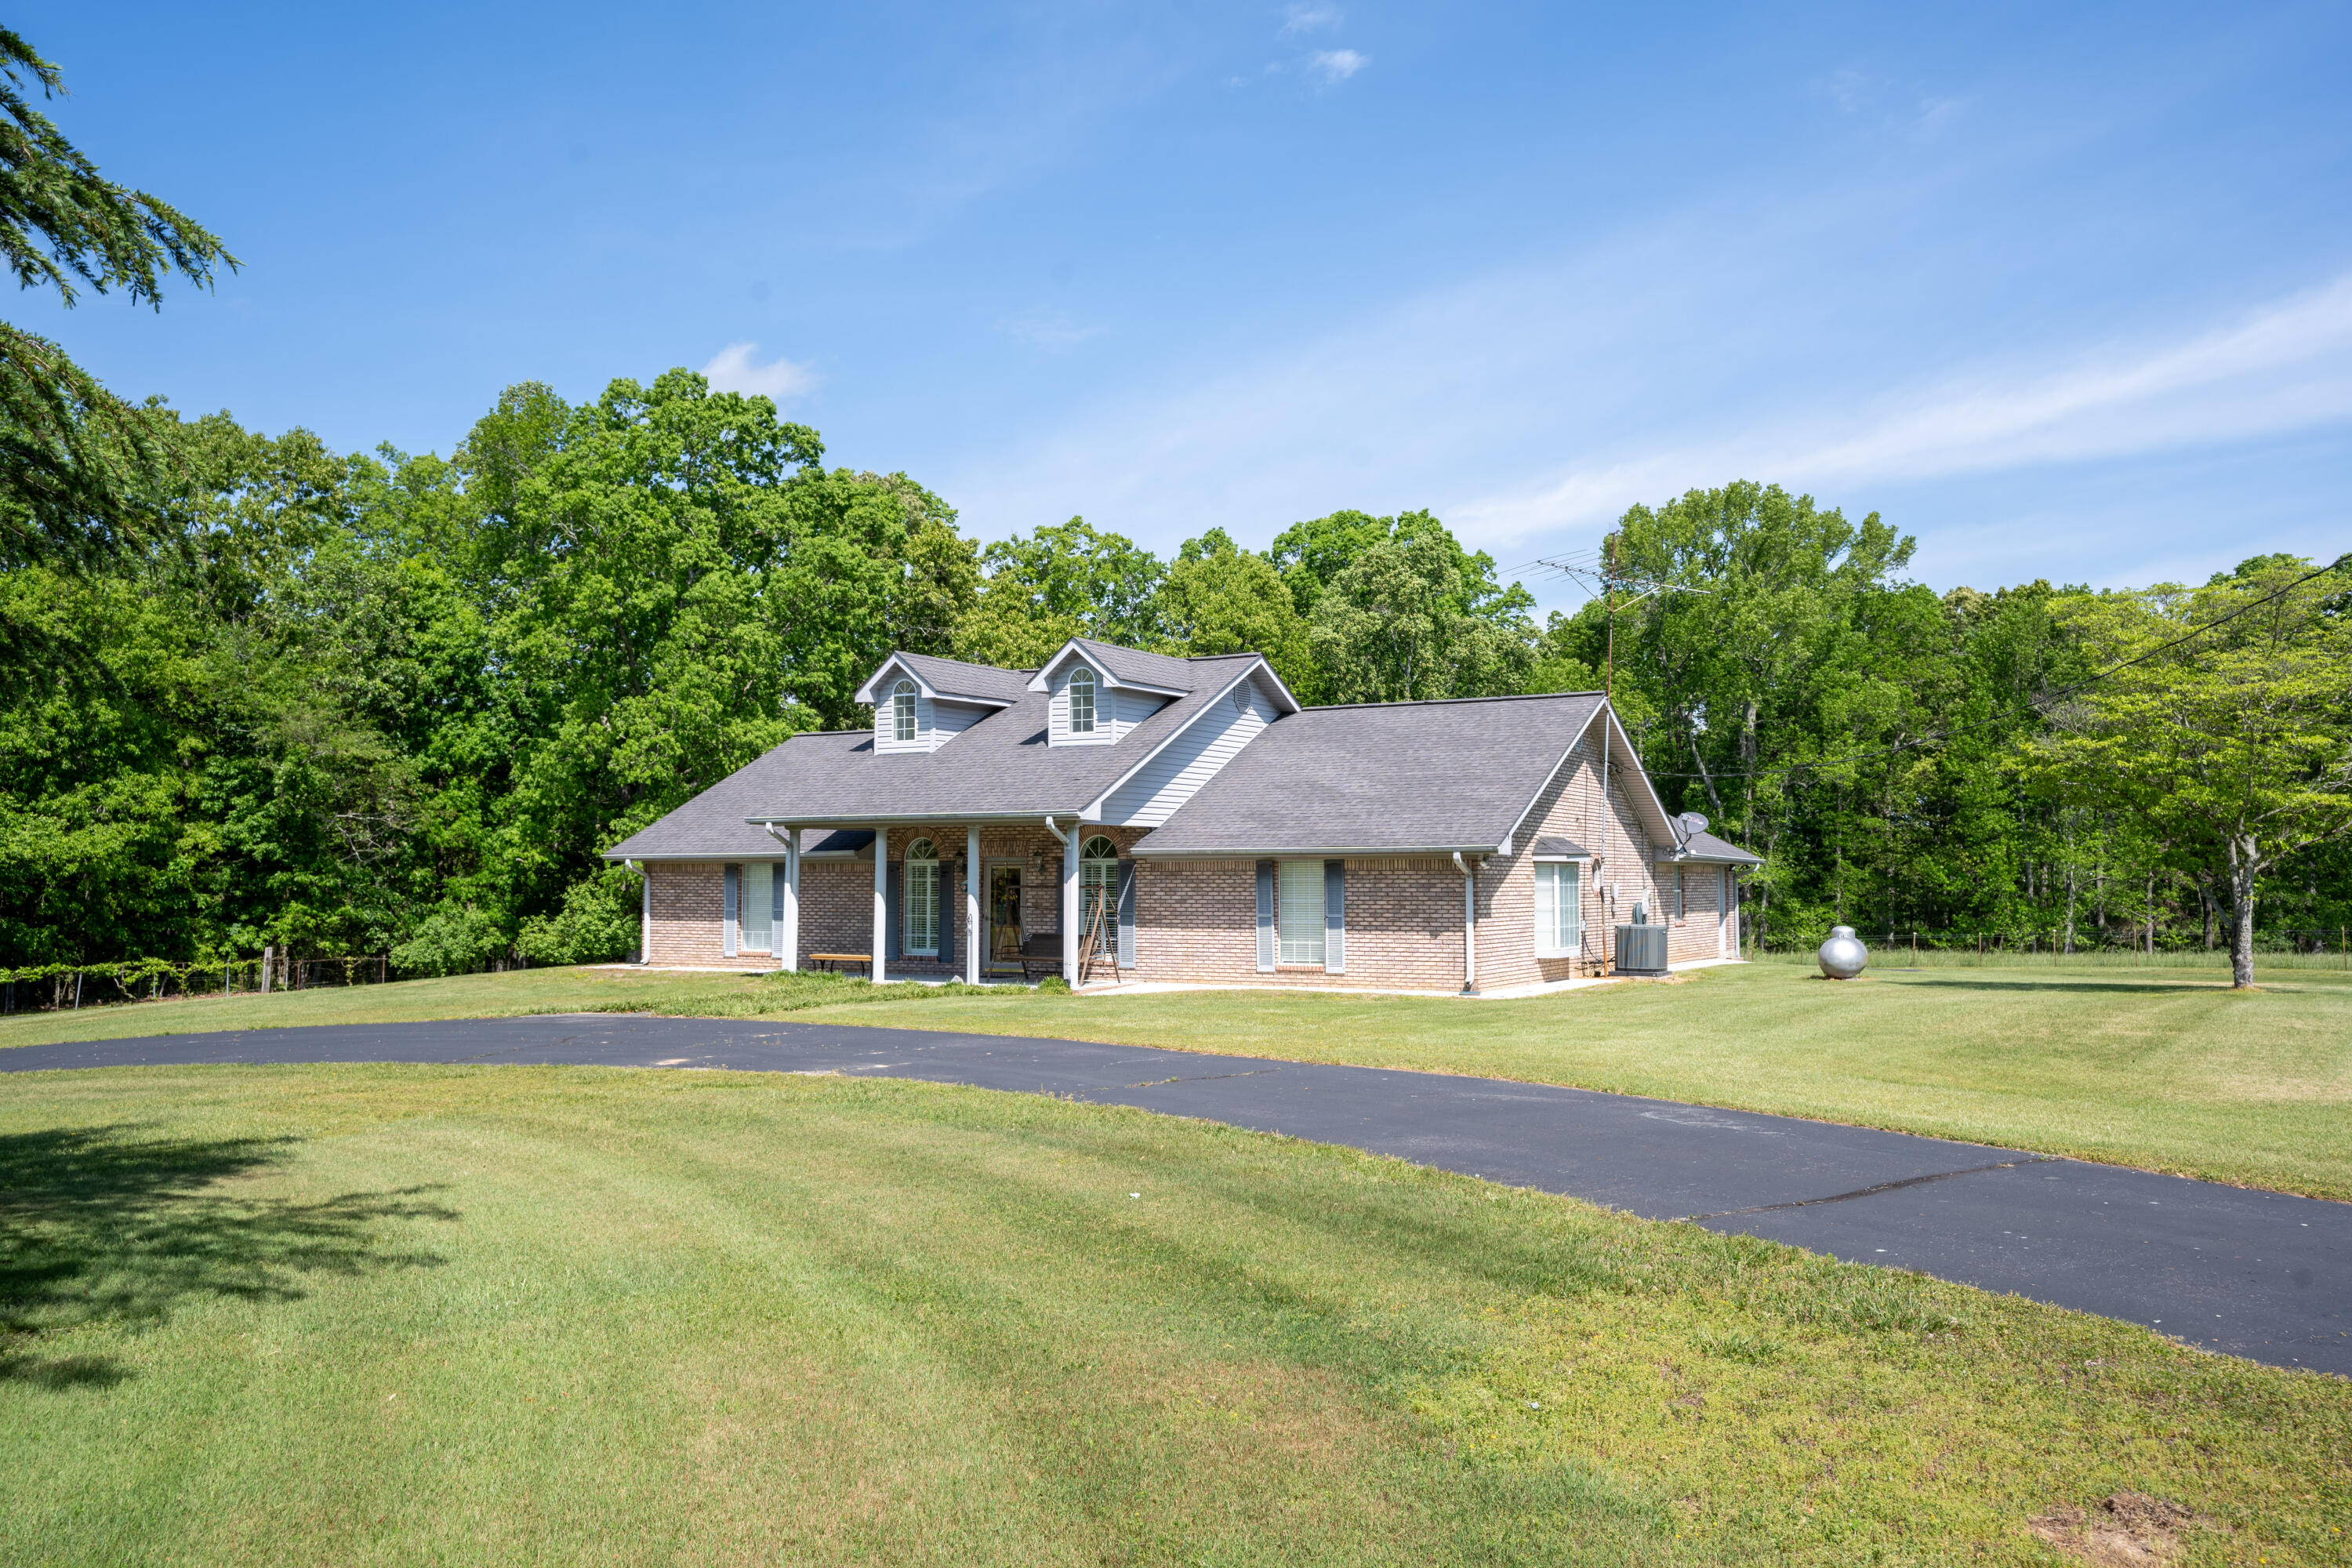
1598,571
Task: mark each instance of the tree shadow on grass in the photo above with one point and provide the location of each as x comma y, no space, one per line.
102,1226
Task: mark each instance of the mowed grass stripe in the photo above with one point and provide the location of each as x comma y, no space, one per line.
332,1314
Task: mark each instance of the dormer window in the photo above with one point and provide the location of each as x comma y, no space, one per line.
902,710
1082,702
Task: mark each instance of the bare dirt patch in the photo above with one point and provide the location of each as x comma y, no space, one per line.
2125,1530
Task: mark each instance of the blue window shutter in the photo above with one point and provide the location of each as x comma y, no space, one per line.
895,939
1126,914
1266,917
947,911
730,920
1335,917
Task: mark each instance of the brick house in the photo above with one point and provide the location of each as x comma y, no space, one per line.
1199,823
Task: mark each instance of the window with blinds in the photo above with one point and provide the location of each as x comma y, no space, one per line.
1560,909
759,907
1299,911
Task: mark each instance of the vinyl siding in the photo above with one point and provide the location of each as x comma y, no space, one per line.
951,718
1133,708
936,723
1190,760
1116,712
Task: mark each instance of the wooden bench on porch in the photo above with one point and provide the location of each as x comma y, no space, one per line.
1041,956
839,963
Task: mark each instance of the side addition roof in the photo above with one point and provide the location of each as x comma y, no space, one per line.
1702,845
1383,779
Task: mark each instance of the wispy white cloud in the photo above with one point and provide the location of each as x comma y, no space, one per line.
1528,407
732,369
1308,15
1052,333
1332,67
1887,104
2284,366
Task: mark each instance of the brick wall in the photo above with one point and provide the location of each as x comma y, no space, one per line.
689,905
1197,920
1571,807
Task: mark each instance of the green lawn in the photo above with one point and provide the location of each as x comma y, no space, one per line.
2162,1068
490,1315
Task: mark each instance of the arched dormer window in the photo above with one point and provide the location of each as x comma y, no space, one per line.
902,710
1082,702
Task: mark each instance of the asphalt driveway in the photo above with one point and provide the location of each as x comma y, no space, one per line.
2255,1274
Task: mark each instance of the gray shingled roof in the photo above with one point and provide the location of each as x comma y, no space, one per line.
1568,848
1132,664
954,678
1382,778
1706,846
998,767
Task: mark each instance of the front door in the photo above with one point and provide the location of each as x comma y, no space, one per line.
1004,916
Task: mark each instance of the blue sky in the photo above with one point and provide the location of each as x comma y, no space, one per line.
2063,291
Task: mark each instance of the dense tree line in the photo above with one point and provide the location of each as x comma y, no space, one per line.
256,692
385,702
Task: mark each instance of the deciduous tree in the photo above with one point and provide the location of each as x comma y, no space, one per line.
2224,725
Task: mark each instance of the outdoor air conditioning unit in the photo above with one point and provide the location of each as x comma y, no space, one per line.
1640,950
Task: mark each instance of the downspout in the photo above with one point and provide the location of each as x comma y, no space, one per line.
1469,923
645,914
1070,921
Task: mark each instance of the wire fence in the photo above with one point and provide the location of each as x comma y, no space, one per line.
53,987
2306,949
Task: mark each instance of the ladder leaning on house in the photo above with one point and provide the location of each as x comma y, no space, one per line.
1097,946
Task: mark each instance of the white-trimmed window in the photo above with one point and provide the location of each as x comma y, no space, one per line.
1082,702
902,710
1560,909
1682,897
1299,911
919,898
759,907
1098,884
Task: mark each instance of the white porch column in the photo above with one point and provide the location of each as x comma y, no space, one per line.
645,911
973,936
881,901
788,941
1070,903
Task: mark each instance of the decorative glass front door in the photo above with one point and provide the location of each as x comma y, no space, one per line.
1005,917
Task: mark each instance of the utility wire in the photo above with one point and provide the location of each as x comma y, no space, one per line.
2042,702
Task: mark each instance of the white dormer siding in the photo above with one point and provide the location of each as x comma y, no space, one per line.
938,721
1117,711
1193,758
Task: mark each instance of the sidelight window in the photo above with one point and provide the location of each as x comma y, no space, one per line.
922,900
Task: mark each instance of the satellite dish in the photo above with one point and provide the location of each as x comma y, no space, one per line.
1692,823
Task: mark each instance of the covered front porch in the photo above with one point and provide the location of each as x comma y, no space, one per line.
946,897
